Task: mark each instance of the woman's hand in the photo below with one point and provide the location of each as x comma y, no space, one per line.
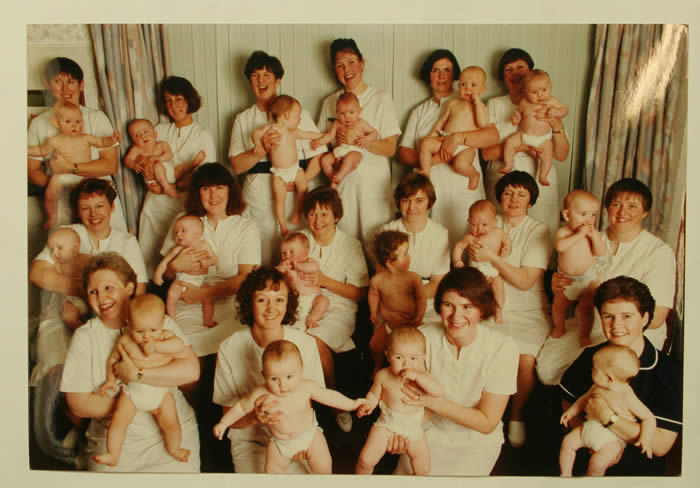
341,135
125,369
266,410
559,282
271,140
597,408
311,279
60,164
449,146
192,294
397,444
480,253
189,261
413,394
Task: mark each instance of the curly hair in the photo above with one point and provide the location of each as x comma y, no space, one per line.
471,284
89,187
518,179
435,56
386,244
323,196
114,262
626,289
261,60
262,278
176,85
411,184
213,174
632,186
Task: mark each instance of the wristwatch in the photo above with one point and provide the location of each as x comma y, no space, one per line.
139,377
75,169
612,420
558,131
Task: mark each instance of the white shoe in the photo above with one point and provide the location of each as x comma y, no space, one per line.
344,421
516,433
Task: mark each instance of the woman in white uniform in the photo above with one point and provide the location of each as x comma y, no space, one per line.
515,64
111,283
63,77
264,73
453,197
178,100
526,312
366,192
265,302
476,365
632,251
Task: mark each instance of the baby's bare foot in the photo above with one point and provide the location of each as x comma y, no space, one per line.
295,219
507,168
210,323
544,181
107,458
198,158
181,454
283,229
171,191
51,208
557,333
474,182
311,323
499,317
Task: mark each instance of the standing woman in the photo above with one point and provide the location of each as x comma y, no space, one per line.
110,283
177,99
514,65
264,73
365,192
453,197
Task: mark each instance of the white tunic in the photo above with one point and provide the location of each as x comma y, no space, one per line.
54,337
235,241
489,364
158,211
94,122
546,210
453,200
366,192
238,371
647,259
86,369
257,187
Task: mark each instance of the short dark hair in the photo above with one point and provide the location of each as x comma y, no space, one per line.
471,284
411,184
62,65
625,289
258,280
114,262
176,85
385,245
91,186
343,45
213,174
325,196
518,179
432,58
513,54
261,60
630,185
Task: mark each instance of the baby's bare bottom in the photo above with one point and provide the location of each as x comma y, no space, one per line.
375,447
600,460
175,293
317,456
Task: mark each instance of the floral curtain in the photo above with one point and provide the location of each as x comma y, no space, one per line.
130,62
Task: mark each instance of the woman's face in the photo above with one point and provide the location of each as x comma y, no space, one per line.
321,220
64,87
349,69
626,212
214,199
95,212
459,316
264,84
513,74
414,208
622,323
177,108
109,296
270,306
442,77
515,201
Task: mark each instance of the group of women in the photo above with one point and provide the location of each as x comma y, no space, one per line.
481,365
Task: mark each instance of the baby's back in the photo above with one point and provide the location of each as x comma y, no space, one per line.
284,155
461,118
396,293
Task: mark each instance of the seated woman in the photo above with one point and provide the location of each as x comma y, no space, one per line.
267,304
110,283
632,251
626,308
477,366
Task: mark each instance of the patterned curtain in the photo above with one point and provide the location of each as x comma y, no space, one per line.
636,114
130,62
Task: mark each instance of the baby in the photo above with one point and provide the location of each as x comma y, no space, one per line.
482,217
297,429
579,244
406,354
295,258
346,157
465,113
396,295
188,231
613,367
64,244
532,130
149,345
70,144
286,115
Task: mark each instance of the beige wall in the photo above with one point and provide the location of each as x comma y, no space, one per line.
212,57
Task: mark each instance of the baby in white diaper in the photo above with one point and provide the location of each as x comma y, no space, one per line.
406,355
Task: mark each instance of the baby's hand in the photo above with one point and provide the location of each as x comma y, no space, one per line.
374,318
199,158
115,137
219,430
645,445
564,420
148,348
459,264
365,408
259,150
516,118
408,375
107,388
359,402
506,248
315,143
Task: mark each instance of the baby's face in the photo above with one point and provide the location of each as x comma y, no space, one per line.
293,116
294,251
70,121
538,90
145,328
187,232
471,82
63,249
282,376
402,261
143,134
582,211
481,222
406,355
348,113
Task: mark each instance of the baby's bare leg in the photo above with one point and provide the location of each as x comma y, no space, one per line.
499,294
52,193
166,417
419,452
312,169
208,311
162,179
279,192
70,314
123,415
559,307
318,308
584,313
567,453
318,456
302,187
464,165
376,346
545,161
275,462
509,146
174,294
328,165
373,450
348,163
426,149
603,458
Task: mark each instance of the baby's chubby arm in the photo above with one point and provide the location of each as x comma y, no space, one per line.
258,134
163,265
168,344
370,133
373,298
239,410
420,298
424,379
576,408
373,395
506,245
164,153
44,150
597,244
555,108
481,112
565,237
110,383
325,138
103,142
443,119
648,423
458,251
308,266
332,398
